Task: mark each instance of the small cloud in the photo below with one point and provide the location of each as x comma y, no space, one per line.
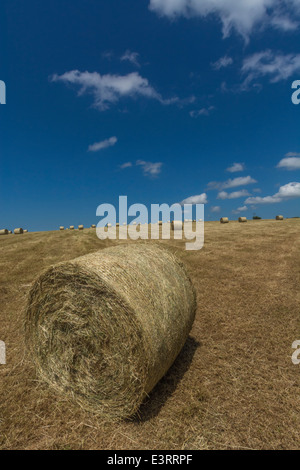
131,57
231,183
240,209
202,112
284,23
286,192
149,168
126,165
200,199
235,195
108,90
215,209
222,63
257,190
291,162
275,66
236,167
103,144
108,55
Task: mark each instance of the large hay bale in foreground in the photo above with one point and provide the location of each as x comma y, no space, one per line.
18,231
242,219
4,231
224,220
105,327
279,217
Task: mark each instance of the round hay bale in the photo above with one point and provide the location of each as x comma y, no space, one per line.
61,228
160,222
4,231
242,219
93,226
80,227
176,225
279,217
25,231
71,227
224,220
104,328
10,232
18,231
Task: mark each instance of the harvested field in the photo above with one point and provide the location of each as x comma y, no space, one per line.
233,386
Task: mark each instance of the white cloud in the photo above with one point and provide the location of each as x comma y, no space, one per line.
131,57
109,89
288,191
240,209
276,67
236,167
290,163
126,165
292,154
103,144
284,23
215,209
222,63
232,183
149,168
200,199
235,195
202,112
239,15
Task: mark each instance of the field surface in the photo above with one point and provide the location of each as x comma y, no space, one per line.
233,386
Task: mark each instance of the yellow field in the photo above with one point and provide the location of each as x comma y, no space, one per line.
232,387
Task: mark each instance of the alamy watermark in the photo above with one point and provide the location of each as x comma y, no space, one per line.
139,227
2,92
296,354
296,94
2,353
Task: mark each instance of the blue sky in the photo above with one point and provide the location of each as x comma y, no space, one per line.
159,100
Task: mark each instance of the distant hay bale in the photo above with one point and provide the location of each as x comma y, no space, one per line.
71,227
4,231
224,220
279,217
80,227
10,232
18,231
105,328
108,225
242,219
160,222
61,228
117,224
93,226
25,231
176,225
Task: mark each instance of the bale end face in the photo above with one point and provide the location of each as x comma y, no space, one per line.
105,327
